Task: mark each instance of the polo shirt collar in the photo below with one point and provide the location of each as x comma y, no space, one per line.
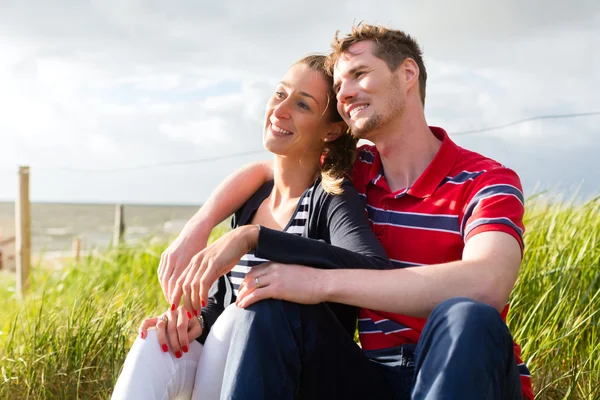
431,178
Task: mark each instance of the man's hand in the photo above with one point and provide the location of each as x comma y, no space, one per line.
177,256
211,263
295,283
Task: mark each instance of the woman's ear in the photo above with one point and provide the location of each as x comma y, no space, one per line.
337,129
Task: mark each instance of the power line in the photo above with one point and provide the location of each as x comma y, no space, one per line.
246,153
148,166
520,121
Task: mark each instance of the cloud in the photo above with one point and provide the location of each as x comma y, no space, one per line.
113,83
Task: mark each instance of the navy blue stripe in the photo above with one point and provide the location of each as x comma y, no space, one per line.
367,156
367,326
488,221
523,370
386,326
462,177
390,326
487,192
448,223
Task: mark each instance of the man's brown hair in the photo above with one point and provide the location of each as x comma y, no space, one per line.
392,46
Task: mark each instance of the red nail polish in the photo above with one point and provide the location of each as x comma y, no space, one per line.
203,303
189,315
195,313
142,335
172,307
178,354
185,349
165,348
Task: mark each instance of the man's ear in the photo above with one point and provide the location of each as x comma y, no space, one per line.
337,129
410,72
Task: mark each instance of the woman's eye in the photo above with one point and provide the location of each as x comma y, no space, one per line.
358,74
304,106
279,95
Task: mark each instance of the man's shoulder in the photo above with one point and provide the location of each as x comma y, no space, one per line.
475,167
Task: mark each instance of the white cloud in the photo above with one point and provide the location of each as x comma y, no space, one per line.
113,83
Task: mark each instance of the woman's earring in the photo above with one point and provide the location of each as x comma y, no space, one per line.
325,139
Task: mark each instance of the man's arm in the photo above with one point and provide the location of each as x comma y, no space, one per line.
486,273
229,196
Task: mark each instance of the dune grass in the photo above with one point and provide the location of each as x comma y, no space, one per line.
69,338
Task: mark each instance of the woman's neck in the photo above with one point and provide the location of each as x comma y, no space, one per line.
291,178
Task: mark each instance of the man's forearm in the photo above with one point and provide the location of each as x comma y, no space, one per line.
486,273
414,291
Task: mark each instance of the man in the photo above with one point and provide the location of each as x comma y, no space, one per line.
449,219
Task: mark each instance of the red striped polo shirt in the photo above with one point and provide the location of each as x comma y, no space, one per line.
460,194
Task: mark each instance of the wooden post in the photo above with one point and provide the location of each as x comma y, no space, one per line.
119,227
76,248
23,232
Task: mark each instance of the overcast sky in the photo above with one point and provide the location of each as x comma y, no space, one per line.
110,84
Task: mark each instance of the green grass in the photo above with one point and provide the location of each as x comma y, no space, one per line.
70,337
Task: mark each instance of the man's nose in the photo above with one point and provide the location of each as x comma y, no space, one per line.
346,93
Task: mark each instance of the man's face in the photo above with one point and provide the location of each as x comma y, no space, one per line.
369,95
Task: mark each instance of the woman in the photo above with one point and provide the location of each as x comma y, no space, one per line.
309,197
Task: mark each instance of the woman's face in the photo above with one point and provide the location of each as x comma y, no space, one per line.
297,120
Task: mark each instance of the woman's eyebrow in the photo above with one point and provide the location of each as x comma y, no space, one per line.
305,94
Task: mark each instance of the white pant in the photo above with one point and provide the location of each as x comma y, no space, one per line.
151,374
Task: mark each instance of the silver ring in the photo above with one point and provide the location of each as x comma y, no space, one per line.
258,285
163,318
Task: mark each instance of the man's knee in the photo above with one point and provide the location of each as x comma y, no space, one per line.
469,315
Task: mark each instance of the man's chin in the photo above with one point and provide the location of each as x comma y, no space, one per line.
359,132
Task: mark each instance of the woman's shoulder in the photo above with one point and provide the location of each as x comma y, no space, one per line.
244,214
346,185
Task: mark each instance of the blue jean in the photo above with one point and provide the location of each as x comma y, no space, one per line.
282,350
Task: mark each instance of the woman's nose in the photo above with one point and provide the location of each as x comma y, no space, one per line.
281,110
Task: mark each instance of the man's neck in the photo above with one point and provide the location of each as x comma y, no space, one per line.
406,151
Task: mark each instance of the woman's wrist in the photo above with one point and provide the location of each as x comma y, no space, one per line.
251,233
198,228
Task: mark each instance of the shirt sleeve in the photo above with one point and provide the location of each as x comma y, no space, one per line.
495,203
345,238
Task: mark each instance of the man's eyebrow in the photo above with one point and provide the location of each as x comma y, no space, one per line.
351,71
284,83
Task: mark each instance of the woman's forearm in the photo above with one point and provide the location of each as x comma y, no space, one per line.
229,196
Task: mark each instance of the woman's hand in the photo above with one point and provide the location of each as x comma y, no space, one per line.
211,263
177,256
182,329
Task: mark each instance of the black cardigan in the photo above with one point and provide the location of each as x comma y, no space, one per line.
336,235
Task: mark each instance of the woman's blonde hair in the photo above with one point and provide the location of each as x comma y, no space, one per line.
338,155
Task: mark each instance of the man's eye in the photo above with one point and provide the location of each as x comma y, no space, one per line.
358,74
